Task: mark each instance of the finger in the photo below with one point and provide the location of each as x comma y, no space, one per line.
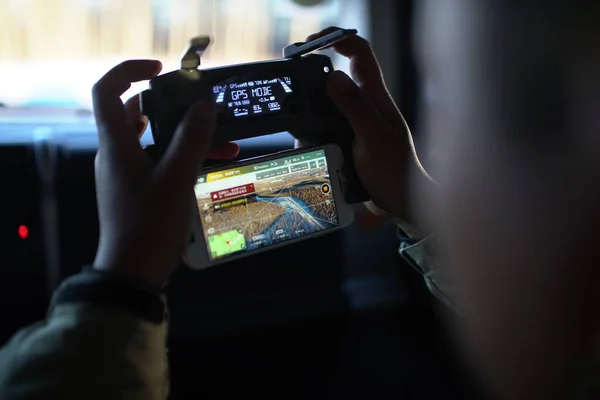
110,114
189,146
138,121
226,151
355,106
366,72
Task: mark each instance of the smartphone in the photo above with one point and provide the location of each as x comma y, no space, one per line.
266,202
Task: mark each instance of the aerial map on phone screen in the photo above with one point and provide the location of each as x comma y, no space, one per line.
246,208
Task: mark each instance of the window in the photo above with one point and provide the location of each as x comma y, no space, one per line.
52,51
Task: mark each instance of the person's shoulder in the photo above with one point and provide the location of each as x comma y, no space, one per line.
45,359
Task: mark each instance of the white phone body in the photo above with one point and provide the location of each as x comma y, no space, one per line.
267,202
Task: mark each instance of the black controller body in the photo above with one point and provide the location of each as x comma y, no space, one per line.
293,98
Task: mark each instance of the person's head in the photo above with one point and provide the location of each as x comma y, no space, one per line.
515,130
523,67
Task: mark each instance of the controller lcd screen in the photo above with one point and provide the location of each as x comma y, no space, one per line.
257,205
253,97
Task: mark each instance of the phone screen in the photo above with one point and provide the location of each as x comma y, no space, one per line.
254,206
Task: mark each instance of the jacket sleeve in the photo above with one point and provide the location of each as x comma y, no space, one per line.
421,254
97,342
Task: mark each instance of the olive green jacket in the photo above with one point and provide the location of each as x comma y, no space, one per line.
85,349
92,348
105,338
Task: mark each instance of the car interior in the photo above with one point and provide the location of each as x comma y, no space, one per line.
339,315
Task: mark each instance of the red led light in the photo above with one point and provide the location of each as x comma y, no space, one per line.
23,232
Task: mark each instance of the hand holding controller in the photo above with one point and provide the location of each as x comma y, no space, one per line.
384,155
257,99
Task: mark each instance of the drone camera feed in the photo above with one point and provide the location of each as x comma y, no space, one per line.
257,205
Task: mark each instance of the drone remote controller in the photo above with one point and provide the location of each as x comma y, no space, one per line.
256,99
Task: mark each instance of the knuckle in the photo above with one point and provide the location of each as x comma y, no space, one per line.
365,43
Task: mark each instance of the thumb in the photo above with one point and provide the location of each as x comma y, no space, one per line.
190,144
354,104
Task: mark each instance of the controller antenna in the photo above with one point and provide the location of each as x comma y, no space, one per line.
193,53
